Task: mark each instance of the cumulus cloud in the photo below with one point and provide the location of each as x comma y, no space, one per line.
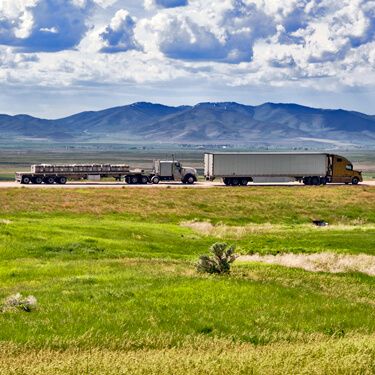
214,32
118,36
306,43
151,4
43,25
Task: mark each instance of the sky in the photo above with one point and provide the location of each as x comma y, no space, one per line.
59,57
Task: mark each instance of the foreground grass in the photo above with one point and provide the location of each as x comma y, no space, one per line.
354,355
114,275
130,304
235,206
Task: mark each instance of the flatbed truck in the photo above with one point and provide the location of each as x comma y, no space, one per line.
162,170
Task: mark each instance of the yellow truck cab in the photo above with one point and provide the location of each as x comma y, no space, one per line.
342,171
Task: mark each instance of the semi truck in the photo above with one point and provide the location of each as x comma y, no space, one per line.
162,170
240,168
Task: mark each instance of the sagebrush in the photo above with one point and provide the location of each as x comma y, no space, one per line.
220,260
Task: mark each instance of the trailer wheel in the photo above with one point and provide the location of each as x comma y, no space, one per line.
355,180
155,180
25,180
307,180
244,181
37,180
134,180
323,181
235,181
61,180
315,181
226,181
49,180
144,180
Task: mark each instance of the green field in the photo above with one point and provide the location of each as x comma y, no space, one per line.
114,275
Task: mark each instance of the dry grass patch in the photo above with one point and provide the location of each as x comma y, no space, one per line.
321,262
222,230
202,356
5,221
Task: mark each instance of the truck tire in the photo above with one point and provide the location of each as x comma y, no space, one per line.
189,179
315,180
144,180
134,180
49,180
323,181
37,180
25,180
307,180
244,181
226,181
235,181
61,180
155,180
355,181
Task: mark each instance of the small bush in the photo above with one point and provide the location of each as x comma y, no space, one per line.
220,260
18,302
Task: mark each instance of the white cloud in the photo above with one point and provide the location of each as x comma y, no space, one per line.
118,36
325,44
25,23
208,32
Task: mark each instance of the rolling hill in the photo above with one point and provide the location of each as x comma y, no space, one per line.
204,123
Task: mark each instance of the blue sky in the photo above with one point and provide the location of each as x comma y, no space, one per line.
58,57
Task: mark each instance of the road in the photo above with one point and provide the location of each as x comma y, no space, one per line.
120,185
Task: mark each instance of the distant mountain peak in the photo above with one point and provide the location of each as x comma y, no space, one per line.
208,122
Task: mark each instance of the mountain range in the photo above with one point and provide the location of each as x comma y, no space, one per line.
204,123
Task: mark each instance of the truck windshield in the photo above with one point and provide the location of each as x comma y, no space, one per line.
349,167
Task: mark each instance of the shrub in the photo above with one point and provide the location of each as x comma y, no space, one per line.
220,260
18,302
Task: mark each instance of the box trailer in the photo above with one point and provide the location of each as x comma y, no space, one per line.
310,168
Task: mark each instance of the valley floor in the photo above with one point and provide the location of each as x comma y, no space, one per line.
113,272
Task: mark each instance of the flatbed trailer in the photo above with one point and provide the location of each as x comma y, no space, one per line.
62,178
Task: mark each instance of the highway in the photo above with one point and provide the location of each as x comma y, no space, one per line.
162,185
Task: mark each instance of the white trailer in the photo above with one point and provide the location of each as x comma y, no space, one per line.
311,168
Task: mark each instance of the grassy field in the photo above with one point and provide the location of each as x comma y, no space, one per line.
114,275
